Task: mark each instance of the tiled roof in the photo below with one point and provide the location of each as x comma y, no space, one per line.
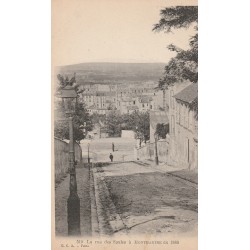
189,94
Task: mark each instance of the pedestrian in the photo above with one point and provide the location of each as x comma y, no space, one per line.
113,147
111,157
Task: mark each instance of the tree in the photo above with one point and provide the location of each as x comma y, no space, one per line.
162,130
176,18
137,121
113,124
184,66
81,116
141,125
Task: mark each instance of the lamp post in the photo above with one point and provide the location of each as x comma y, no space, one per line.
156,151
88,153
69,96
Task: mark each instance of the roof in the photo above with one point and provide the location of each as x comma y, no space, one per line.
189,94
158,117
126,99
145,99
99,93
105,93
134,107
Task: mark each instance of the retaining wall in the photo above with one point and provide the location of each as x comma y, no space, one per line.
147,151
61,157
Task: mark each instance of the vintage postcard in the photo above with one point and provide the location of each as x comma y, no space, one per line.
125,124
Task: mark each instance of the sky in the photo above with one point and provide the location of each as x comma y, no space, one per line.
111,31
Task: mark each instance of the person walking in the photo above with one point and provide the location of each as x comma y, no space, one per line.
111,157
113,147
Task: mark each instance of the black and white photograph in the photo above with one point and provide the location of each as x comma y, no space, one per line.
125,124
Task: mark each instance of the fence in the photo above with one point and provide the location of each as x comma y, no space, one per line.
147,152
61,154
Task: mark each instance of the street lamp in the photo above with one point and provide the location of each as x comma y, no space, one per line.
88,153
69,96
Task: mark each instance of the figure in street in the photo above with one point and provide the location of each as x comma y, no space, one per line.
113,147
111,157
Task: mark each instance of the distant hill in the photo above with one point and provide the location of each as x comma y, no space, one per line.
113,72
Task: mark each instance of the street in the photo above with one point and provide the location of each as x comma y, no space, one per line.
130,198
136,199
99,149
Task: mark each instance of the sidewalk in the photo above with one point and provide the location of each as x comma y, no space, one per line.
186,174
61,196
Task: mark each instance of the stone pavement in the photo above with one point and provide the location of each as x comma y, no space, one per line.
130,197
135,199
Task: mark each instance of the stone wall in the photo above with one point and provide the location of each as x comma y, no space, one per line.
61,157
147,151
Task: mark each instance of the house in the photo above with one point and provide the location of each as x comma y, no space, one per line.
132,109
183,140
145,103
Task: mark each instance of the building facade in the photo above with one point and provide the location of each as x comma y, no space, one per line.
183,140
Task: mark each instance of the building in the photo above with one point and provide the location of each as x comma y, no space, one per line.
183,140
132,109
156,117
144,103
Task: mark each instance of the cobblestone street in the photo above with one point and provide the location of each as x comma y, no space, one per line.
130,198
145,200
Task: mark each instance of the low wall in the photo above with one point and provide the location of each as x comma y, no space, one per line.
147,151
61,157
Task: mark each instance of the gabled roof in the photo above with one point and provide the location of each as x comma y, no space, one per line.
189,94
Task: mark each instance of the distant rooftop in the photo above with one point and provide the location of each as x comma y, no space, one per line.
145,99
134,107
